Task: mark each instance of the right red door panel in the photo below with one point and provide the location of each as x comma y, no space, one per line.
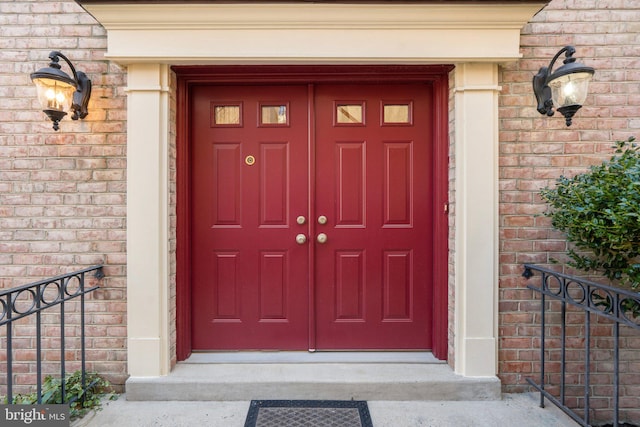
373,279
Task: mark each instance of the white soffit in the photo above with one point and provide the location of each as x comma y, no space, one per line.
312,33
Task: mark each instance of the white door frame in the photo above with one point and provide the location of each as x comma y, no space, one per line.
476,38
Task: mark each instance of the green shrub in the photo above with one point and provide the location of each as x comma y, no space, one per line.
97,389
599,211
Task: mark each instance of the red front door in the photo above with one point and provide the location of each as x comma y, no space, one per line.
311,217
373,183
249,183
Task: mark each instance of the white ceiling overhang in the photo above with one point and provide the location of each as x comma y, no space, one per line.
322,33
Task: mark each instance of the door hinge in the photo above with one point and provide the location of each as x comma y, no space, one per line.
446,208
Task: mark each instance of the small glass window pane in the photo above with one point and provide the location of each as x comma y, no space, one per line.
349,113
397,114
274,115
227,114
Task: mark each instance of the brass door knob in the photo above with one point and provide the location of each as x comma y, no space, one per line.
301,239
322,238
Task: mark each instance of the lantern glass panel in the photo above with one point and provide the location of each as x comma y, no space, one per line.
570,89
54,94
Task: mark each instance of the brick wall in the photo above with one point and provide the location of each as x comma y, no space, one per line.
534,150
173,218
62,194
452,212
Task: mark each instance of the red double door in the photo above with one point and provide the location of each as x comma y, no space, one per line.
311,221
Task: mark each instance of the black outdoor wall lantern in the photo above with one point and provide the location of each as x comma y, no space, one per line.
566,88
59,93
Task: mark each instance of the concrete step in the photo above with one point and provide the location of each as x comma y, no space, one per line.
398,381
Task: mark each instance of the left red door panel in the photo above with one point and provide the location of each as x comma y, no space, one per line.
249,183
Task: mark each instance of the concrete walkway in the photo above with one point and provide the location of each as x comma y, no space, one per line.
519,410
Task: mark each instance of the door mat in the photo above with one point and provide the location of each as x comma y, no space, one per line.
308,413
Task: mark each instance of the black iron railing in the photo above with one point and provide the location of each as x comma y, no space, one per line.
618,305
33,299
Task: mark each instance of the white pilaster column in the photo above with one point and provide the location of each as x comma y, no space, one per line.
476,242
148,219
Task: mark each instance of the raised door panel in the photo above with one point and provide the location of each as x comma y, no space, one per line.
274,184
398,184
350,184
349,284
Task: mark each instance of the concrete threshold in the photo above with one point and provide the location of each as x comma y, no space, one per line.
338,380
313,357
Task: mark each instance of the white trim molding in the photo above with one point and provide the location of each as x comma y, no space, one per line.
476,234
148,220
312,32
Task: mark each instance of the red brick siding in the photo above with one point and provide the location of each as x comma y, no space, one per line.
173,217
62,194
452,209
534,150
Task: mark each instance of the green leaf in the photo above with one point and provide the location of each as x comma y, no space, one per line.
599,211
